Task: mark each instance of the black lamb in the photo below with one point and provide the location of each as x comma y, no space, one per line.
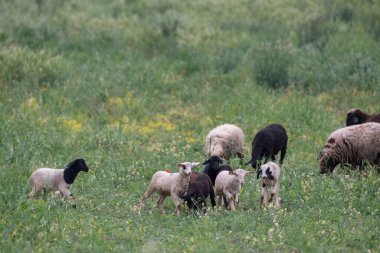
198,190
267,143
214,165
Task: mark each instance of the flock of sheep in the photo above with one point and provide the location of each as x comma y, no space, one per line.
355,145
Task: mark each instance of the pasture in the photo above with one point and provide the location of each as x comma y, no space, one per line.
134,87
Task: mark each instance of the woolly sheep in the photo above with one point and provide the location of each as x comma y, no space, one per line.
169,184
228,184
356,116
352,145
267,143
199,189
225,141
270,176
47,179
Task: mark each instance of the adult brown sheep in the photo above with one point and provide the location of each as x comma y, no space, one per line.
352,145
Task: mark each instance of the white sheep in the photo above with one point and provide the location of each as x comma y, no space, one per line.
353,145
228,184
225,141
47,179
270,176
169,184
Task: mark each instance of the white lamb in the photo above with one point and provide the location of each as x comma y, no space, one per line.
228,184
270,176
169,184
47,179
225,141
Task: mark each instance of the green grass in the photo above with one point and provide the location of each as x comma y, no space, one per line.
134,87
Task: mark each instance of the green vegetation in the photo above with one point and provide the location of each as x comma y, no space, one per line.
134,86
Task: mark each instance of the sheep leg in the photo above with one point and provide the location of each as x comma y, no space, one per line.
212,196
241,157
67,194
45,193
218,200
231,199
275,194
177,203
34,192
283,152
236,197
146,195
160,201
264,196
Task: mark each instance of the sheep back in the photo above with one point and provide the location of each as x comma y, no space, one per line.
351,145
47,178
164,182
225,141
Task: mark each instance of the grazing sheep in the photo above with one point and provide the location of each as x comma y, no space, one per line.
267,143
225,141
199,188
228,184
169,184
356,116
352,145
270,176
46,179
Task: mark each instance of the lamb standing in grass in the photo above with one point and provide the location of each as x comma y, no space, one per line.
270,176
225,141
199,189
169,184
228,184
46,179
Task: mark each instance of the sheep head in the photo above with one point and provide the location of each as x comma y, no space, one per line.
240,174
326,163
78,165
216,148
214,162
185,167
355,116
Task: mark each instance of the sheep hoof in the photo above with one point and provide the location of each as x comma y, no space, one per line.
74,206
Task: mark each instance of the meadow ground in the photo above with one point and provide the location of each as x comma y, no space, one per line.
134,86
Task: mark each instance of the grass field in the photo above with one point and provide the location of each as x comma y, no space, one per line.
134,87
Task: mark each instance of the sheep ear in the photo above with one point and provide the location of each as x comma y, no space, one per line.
247,172
180,164
195,164
232,173
206,162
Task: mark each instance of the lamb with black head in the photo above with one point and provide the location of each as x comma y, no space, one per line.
48,179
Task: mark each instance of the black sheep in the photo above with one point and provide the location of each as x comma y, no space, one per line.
357,116
214,165
267,143
198,190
